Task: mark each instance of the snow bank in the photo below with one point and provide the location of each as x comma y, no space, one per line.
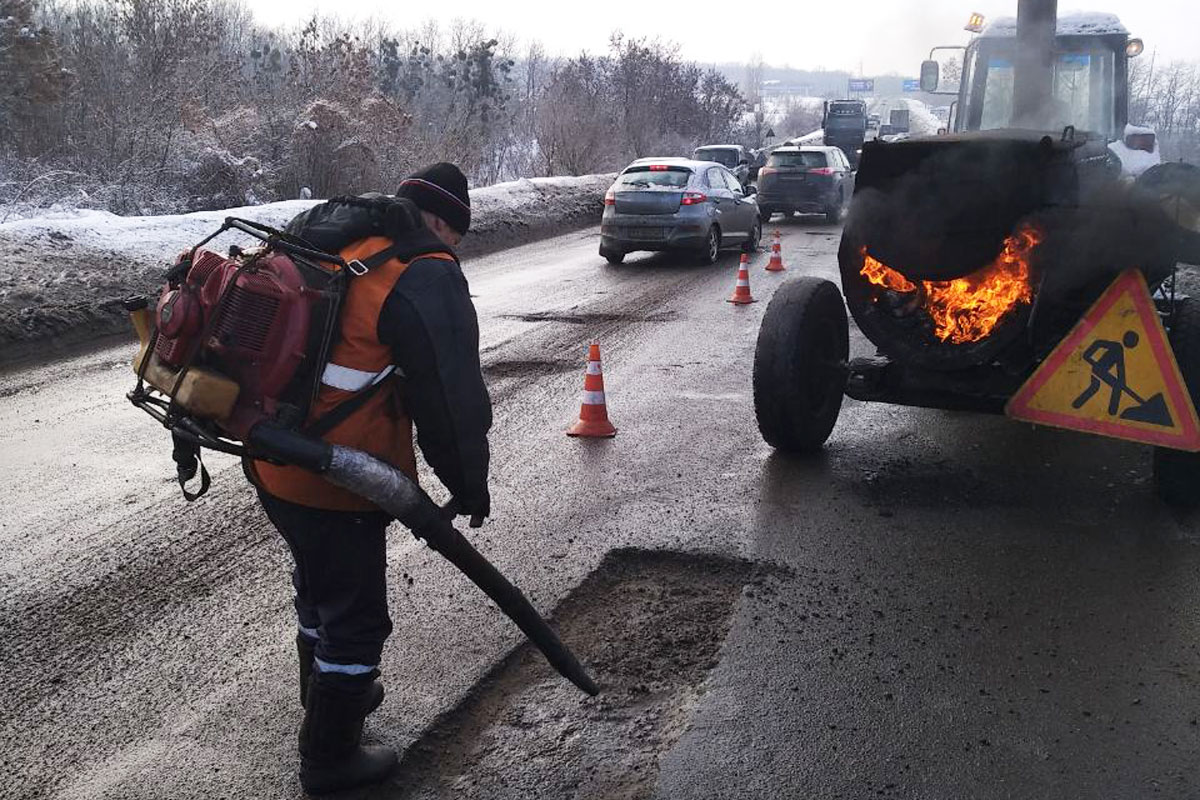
64,274
816,137
921,121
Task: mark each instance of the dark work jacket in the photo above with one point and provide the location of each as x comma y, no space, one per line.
430,323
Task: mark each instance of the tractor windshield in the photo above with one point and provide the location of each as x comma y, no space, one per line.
1083,88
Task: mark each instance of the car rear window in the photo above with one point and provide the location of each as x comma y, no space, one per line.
808,159
654,175
723,156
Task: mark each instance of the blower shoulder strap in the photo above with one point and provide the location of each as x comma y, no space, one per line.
407,248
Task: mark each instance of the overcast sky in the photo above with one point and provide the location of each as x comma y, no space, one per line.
881,36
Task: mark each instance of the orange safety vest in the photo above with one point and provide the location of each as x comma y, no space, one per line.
380,427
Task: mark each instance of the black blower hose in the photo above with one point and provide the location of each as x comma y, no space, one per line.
396,493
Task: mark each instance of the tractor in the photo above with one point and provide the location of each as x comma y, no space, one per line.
975,259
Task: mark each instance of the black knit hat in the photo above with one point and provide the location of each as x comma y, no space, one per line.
440,189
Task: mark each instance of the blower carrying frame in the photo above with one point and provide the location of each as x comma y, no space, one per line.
165,406
280,438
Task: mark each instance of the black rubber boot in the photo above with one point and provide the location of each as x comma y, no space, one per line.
306,651
331,756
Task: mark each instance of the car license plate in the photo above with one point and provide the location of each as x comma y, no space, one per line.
645,234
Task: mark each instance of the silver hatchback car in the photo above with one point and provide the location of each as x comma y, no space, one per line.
678,204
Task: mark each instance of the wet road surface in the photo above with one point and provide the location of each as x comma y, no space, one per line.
941,605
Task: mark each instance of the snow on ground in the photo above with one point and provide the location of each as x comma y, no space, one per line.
161,236
921,121
65,273
154,237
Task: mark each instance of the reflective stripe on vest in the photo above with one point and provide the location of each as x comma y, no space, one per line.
353,380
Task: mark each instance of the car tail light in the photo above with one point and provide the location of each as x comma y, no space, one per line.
821,171
610,198
658,167
693,198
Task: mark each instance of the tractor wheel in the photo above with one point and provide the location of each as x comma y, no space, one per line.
800,365
1177,473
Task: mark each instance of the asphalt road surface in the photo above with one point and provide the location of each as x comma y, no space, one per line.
941,605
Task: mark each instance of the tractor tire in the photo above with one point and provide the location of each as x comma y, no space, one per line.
1177,473
800,365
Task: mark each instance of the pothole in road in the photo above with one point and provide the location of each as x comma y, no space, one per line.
583,319
649,626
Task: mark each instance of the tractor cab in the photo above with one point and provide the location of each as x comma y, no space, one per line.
1089,91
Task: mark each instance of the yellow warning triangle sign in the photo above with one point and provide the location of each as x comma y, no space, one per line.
1114,374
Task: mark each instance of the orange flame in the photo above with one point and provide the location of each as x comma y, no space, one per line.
967,309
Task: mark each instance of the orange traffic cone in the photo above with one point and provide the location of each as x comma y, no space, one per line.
776,262
593,413
741,292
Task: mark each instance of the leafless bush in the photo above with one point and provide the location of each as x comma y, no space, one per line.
799,118
1167,98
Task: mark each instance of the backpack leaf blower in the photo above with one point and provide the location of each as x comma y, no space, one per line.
230,360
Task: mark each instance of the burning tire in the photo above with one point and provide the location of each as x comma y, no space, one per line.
800,365
1177,473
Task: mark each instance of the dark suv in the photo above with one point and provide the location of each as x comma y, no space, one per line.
805,180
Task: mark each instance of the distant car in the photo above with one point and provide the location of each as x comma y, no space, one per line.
678,204
733,157
805,180
873,121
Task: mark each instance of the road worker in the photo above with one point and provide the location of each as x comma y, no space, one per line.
408,350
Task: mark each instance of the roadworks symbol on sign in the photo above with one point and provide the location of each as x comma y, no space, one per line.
1114,374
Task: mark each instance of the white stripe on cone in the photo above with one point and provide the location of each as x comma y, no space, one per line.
593,398
593,368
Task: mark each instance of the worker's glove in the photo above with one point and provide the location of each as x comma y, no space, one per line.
455,508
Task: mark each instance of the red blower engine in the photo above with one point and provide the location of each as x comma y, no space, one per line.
237,340
248,319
